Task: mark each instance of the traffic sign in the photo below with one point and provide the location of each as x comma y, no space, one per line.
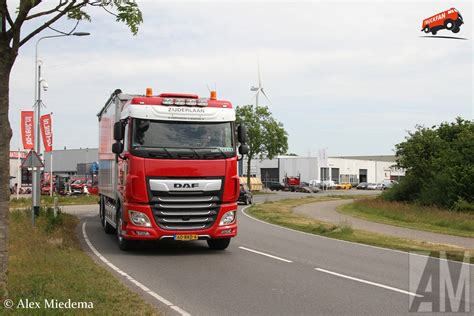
32,160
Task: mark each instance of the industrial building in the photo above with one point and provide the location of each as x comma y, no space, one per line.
351,169
66,163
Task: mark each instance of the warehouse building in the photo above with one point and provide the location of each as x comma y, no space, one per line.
66,163
351,169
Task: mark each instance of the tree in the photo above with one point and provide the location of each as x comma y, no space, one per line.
11,40
440,165
266,136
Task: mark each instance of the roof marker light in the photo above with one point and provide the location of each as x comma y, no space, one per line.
213,95
179,102
202,102
167,101
149,92
191,102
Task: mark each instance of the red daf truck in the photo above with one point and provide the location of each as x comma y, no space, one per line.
450,19
168,168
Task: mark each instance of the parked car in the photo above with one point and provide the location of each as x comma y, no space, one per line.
305,187
387,184
362,186
379,186
245,195
343,186
275,186
371,186
329,184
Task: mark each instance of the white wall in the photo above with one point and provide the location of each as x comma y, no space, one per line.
309,167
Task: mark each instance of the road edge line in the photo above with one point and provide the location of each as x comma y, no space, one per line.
129,278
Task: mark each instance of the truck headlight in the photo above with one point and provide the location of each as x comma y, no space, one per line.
139,219
227,218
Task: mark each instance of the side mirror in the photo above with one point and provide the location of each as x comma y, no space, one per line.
117,148
242,134
118,131
244,149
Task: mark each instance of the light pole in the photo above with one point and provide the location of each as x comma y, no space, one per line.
38,85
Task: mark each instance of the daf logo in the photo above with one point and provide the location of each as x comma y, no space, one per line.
186,185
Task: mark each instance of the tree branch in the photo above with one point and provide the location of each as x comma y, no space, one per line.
59,6
6,13
62,13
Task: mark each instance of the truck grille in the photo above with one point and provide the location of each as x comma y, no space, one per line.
184,209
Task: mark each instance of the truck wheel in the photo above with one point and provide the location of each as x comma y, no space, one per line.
426,29
124,244
456,29
449,24
218,244
434,32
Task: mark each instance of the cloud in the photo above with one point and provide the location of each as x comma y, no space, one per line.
347,72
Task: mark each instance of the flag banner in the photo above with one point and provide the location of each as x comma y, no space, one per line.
47,132
27,129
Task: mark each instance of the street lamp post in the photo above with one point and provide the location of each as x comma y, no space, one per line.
38,85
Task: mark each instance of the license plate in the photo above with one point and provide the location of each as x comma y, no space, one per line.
186,237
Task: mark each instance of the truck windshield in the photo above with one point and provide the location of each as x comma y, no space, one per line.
201,140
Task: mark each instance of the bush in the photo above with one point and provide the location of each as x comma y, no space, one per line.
439,162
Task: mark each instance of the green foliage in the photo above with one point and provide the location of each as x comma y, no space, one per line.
266,136
439,163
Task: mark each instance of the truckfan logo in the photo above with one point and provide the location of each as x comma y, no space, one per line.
186,185
450,19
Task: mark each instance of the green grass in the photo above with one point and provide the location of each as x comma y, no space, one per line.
430,219
46,262
281,213
49,201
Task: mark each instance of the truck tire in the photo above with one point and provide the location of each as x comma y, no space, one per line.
449,24
124,244
434,32
218,244
456,29
426,29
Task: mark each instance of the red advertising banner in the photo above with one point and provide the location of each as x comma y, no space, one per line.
27,129
47,132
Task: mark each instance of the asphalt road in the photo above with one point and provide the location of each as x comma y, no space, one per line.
267,270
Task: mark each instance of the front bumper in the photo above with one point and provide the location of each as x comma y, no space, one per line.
134,232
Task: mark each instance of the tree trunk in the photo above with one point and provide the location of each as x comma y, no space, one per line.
249,161
6,64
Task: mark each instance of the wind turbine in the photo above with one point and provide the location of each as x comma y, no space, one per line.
259,88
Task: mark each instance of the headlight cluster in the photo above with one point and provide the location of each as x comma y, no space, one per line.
139,219
227,218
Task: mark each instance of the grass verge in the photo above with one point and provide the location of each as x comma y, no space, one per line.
281,213
430,219
49,201
47,263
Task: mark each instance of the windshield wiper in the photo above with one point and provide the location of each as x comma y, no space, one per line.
164,153
213,154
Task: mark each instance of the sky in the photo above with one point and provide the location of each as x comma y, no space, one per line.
353,77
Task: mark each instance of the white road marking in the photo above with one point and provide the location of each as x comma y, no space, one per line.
266,254
346,241
129,278
369,282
